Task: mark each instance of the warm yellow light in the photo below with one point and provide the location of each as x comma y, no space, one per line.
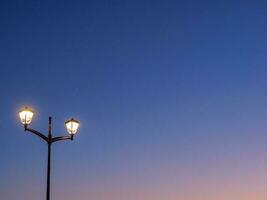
26,115
72,126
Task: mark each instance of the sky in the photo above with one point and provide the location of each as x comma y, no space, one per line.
171,96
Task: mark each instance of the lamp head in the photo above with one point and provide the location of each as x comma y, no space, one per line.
26,115
72,126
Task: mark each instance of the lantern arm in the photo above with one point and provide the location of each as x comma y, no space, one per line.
37,133
59,138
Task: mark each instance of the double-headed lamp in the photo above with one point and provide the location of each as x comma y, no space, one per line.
72,126
26,115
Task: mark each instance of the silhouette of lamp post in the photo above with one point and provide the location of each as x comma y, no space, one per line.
72,125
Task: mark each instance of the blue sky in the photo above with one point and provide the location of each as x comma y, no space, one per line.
170,95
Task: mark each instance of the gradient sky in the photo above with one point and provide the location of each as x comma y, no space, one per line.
171,95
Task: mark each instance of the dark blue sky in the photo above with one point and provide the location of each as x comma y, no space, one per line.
171,96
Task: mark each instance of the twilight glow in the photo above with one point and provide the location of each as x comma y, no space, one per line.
171,95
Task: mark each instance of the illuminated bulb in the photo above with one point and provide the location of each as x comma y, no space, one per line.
72,126
26,115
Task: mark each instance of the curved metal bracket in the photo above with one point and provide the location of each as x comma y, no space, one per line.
59,138
37,133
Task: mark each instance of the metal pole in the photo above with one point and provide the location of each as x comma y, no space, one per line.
48,173
49,142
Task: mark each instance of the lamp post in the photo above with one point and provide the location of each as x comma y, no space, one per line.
72,125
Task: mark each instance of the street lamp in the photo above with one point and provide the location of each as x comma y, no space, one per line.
72,125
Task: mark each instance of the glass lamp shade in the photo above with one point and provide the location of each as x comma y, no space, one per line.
26,115
72,126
